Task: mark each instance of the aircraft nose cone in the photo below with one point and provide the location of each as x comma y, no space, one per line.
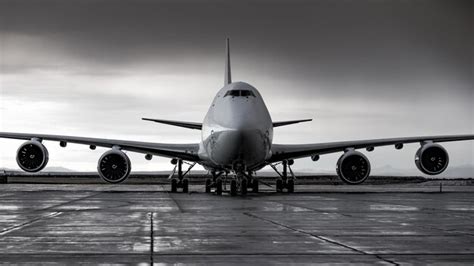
237,145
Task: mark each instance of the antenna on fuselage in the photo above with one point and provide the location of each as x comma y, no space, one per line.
228,77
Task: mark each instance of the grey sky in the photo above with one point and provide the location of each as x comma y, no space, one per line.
361,69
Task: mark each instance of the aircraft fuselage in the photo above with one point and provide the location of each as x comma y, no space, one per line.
237,131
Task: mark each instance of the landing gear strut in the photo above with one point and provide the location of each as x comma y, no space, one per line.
180,181
285,182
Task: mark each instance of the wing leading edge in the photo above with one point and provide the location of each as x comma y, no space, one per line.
187,152
289,151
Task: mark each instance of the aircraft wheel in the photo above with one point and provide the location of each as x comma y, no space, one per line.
255,185
174,185
279,185
243,186
233,187
185,185
290,186
208,185
219,186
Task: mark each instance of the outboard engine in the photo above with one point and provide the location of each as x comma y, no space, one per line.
353,167
114,166
32,156
431,159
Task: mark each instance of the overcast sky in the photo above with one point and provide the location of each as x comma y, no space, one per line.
360,69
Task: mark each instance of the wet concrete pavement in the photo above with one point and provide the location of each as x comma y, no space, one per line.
139,224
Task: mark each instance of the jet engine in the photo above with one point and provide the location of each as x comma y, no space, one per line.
431,159
353,167
114,166
32,156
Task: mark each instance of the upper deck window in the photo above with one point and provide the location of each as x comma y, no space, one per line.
241,93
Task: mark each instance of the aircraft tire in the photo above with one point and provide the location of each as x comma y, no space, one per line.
243,186
208,185
233,187
219,186
174,185
185,185
290,186
255,185
279,185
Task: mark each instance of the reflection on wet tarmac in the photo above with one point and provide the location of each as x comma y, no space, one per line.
391,207
94,226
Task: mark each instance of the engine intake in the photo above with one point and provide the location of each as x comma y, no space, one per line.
432,159
32,156
114,166
353,167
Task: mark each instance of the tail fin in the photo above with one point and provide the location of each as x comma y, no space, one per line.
228,77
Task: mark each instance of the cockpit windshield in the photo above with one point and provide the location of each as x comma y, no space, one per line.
239,93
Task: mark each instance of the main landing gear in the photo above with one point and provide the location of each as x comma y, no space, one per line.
180,181
285,182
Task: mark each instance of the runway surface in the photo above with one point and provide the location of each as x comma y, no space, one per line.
139,224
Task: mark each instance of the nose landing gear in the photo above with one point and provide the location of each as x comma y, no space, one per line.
242,182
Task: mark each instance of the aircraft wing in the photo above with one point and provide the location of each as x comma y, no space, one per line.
183,151
283,151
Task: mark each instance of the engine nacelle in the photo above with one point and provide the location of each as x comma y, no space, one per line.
32,156
114,166
353,167
432,159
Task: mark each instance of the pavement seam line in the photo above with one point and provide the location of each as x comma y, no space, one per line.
319,237
66,203
50,215
360,217
152,240
24,224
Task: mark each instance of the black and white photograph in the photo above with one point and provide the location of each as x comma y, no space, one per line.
252,132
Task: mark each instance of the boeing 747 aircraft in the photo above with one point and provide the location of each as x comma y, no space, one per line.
237,134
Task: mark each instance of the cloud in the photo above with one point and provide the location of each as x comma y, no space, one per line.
361,69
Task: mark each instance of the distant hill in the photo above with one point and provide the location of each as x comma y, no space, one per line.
46,169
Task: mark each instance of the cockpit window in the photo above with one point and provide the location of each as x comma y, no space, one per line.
233,93
246,93
241,93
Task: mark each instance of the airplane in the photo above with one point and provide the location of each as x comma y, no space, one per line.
236,139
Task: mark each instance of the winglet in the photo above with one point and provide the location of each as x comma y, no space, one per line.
228,77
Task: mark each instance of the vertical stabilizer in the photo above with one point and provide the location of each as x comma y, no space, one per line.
228,77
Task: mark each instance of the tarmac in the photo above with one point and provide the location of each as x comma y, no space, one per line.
143,224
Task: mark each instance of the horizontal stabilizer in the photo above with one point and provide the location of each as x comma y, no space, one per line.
191,125
289,122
